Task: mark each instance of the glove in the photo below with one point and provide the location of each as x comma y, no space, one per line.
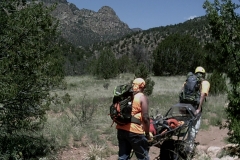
149,137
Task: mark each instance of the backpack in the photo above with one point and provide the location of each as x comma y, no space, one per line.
121,108
191,90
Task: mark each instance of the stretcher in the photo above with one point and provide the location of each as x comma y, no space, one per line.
173,126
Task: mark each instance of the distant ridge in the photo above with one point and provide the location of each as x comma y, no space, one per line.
83,27
136,29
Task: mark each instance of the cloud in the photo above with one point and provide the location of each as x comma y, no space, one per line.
191,17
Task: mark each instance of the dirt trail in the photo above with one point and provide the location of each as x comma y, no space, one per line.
212,137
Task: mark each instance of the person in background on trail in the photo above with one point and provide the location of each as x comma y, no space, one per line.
203,93
133,136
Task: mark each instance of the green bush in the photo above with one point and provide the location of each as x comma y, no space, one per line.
218,83
225,28
177,54
142,72
106,66
30,67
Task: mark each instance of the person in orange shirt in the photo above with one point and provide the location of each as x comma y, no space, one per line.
134,136
204,90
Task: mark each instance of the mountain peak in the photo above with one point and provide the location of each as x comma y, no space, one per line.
106,10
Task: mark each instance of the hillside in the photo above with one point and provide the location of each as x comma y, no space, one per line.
88,32
83,27
149,39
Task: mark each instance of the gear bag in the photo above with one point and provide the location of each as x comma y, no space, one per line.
121,108
191,90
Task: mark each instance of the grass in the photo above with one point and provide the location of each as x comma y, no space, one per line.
85,118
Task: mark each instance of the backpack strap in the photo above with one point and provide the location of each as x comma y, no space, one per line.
135,120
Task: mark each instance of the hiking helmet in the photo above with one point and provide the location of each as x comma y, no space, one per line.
200,70
138,83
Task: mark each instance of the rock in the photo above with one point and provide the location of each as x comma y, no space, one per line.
213,151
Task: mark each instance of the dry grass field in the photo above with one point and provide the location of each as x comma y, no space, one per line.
82,127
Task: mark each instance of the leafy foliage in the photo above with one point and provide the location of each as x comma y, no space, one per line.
106,66
142,72
30,66
225,27
76,59
125,64
177,54
218,83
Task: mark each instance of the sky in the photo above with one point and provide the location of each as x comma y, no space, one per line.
146,14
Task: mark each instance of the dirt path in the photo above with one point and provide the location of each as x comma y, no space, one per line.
212,137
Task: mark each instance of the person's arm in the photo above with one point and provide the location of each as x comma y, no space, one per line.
145,115
205,86
203,96
182,89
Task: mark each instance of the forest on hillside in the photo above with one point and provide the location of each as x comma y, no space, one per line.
141,47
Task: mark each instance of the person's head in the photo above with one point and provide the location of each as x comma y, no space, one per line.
138,84
200,72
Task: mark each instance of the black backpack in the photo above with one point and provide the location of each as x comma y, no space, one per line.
191,90
121,108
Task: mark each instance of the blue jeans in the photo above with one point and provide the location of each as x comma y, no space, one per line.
128,141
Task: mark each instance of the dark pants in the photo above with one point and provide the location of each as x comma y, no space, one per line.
128,141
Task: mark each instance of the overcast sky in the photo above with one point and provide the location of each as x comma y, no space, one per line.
147,14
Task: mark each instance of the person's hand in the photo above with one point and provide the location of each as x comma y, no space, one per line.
197,112
149,137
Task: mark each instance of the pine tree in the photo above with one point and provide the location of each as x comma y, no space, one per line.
218,83
225,26
106,66
142,72
30,67
177,54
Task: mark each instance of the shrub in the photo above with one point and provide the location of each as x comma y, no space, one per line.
30,67
144,73
106,66
218,83
224,25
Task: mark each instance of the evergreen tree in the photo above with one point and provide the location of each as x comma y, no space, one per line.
218,83
30,67
142,72
177,54
106,66
124,64
225,27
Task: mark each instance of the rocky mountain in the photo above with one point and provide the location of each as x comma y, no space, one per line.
148,40
83,27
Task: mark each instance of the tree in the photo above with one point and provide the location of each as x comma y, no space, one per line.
142,72
177,54
30,67
140,55
225,27
218,83
106,66
124,64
